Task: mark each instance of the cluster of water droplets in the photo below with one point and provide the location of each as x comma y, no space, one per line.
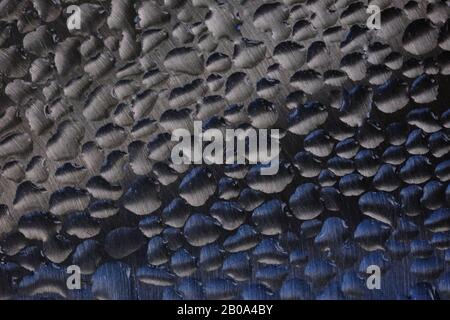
85,144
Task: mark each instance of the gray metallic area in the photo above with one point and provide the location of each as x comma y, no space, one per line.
87,179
